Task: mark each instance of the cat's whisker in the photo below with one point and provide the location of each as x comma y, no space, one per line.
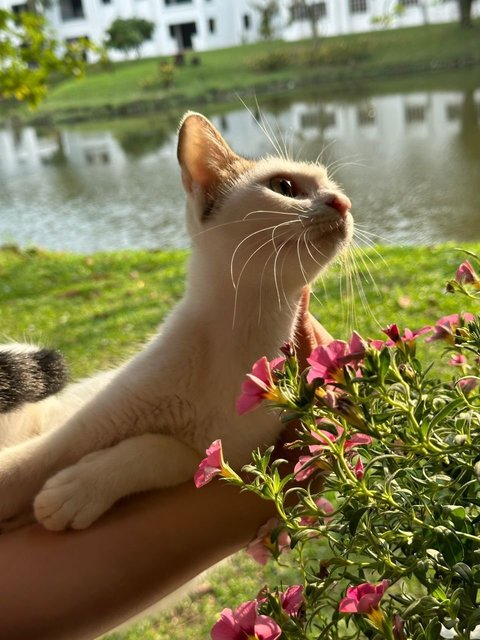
251,235
352,278
252,255
355,273
264,126
236,284
284,259
333,172
275,253
324,149
344,162
357,251
275,277
308,244
302,269
217,226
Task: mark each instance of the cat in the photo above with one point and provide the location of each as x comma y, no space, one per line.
260,230
29,374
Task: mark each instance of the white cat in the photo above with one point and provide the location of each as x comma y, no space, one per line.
260,230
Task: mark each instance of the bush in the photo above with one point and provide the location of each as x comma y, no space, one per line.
385,522
272,61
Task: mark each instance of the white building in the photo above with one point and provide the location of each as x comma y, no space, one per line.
212,24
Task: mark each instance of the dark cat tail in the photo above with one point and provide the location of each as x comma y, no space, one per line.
29,374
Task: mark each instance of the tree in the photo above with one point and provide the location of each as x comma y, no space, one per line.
30,56
128,34
311,11
465,8
393,9
267,10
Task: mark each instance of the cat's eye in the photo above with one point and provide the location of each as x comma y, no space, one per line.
283,186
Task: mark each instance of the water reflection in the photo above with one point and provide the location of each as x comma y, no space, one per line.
410,162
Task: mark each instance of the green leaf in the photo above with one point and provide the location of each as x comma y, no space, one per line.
449,545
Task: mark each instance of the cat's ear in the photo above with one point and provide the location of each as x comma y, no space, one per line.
205,159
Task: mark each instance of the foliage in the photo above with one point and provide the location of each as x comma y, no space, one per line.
327,53
163,79
30,56
128,34
229,70
387,18
387,487
307,10
267,9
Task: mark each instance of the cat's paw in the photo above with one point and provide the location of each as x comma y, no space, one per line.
72,498
20,479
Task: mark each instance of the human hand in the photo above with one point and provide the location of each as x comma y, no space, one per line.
309,333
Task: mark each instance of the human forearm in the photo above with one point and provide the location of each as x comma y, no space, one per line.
78,585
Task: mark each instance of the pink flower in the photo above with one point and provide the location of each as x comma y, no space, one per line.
458,360
259,385
364,598
303,469
466,274
210,466
357,347
358,468
392,332
292,600
446,327
245,623
325,506
262,548
408,336
327,362
468,384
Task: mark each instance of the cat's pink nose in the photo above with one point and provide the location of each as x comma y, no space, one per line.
340,202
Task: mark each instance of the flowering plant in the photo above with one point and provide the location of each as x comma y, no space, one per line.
380,512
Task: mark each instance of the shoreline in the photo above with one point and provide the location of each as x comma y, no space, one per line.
340,64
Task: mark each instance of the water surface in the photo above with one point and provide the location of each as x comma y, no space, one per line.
409,161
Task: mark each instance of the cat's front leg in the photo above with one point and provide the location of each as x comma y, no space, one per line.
75,497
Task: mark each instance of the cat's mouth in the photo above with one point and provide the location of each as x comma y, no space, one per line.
321,226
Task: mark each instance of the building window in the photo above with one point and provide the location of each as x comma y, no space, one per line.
183,34
318,120
415,113
247,21
170,2
71,9
17,9
409,3
106,1
211,25
358,6
315,11
454,112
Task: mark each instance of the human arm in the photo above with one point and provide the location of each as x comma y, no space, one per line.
79,584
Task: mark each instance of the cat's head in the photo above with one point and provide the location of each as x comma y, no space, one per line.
264,220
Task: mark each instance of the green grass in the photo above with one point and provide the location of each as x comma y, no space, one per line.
224,74
99,308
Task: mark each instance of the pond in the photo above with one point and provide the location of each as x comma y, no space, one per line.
409,161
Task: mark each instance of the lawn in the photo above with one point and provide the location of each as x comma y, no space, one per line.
264,67
97,309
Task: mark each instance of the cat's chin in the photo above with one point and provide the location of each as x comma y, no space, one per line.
331,229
